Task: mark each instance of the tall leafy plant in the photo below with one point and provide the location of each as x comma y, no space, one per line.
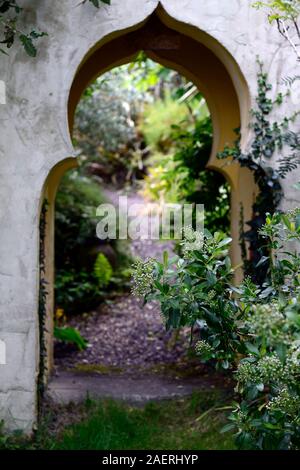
254,328
195,290
267,415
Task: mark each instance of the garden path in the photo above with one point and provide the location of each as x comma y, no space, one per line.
130,355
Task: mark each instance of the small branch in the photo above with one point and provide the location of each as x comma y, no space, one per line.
296,27
284,31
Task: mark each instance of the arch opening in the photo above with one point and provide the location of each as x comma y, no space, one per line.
196,56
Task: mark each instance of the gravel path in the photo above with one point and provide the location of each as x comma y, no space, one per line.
128,340
122,333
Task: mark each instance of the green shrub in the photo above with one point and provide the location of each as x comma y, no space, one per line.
82,270
257,327
158,119
75,234
76,291
166,180
75,217
195,291
179,173
203,186
268,415
106,133
194,144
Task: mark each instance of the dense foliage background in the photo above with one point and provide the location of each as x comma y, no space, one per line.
140,127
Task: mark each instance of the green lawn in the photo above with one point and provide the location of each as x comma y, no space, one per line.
192,423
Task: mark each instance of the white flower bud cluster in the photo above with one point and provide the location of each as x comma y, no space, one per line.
267,321
246,373
292,368
271,369
241,418
193,241
202,348
189,233
143,277
266,370
210,300
286,403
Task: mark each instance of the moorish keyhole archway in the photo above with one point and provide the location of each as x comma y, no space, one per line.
200,58
215,44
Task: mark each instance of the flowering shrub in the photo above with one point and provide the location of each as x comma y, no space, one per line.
195,290
268,416
257,327
267,322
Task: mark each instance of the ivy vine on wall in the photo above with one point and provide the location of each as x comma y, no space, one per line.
10,15
269,138
42,313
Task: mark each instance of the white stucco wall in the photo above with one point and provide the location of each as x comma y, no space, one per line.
34,136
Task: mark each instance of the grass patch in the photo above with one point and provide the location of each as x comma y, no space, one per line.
192,423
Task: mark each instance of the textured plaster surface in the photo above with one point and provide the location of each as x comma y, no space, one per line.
34,136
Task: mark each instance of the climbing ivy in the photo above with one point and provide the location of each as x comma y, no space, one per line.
10,13
269,138
42,313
